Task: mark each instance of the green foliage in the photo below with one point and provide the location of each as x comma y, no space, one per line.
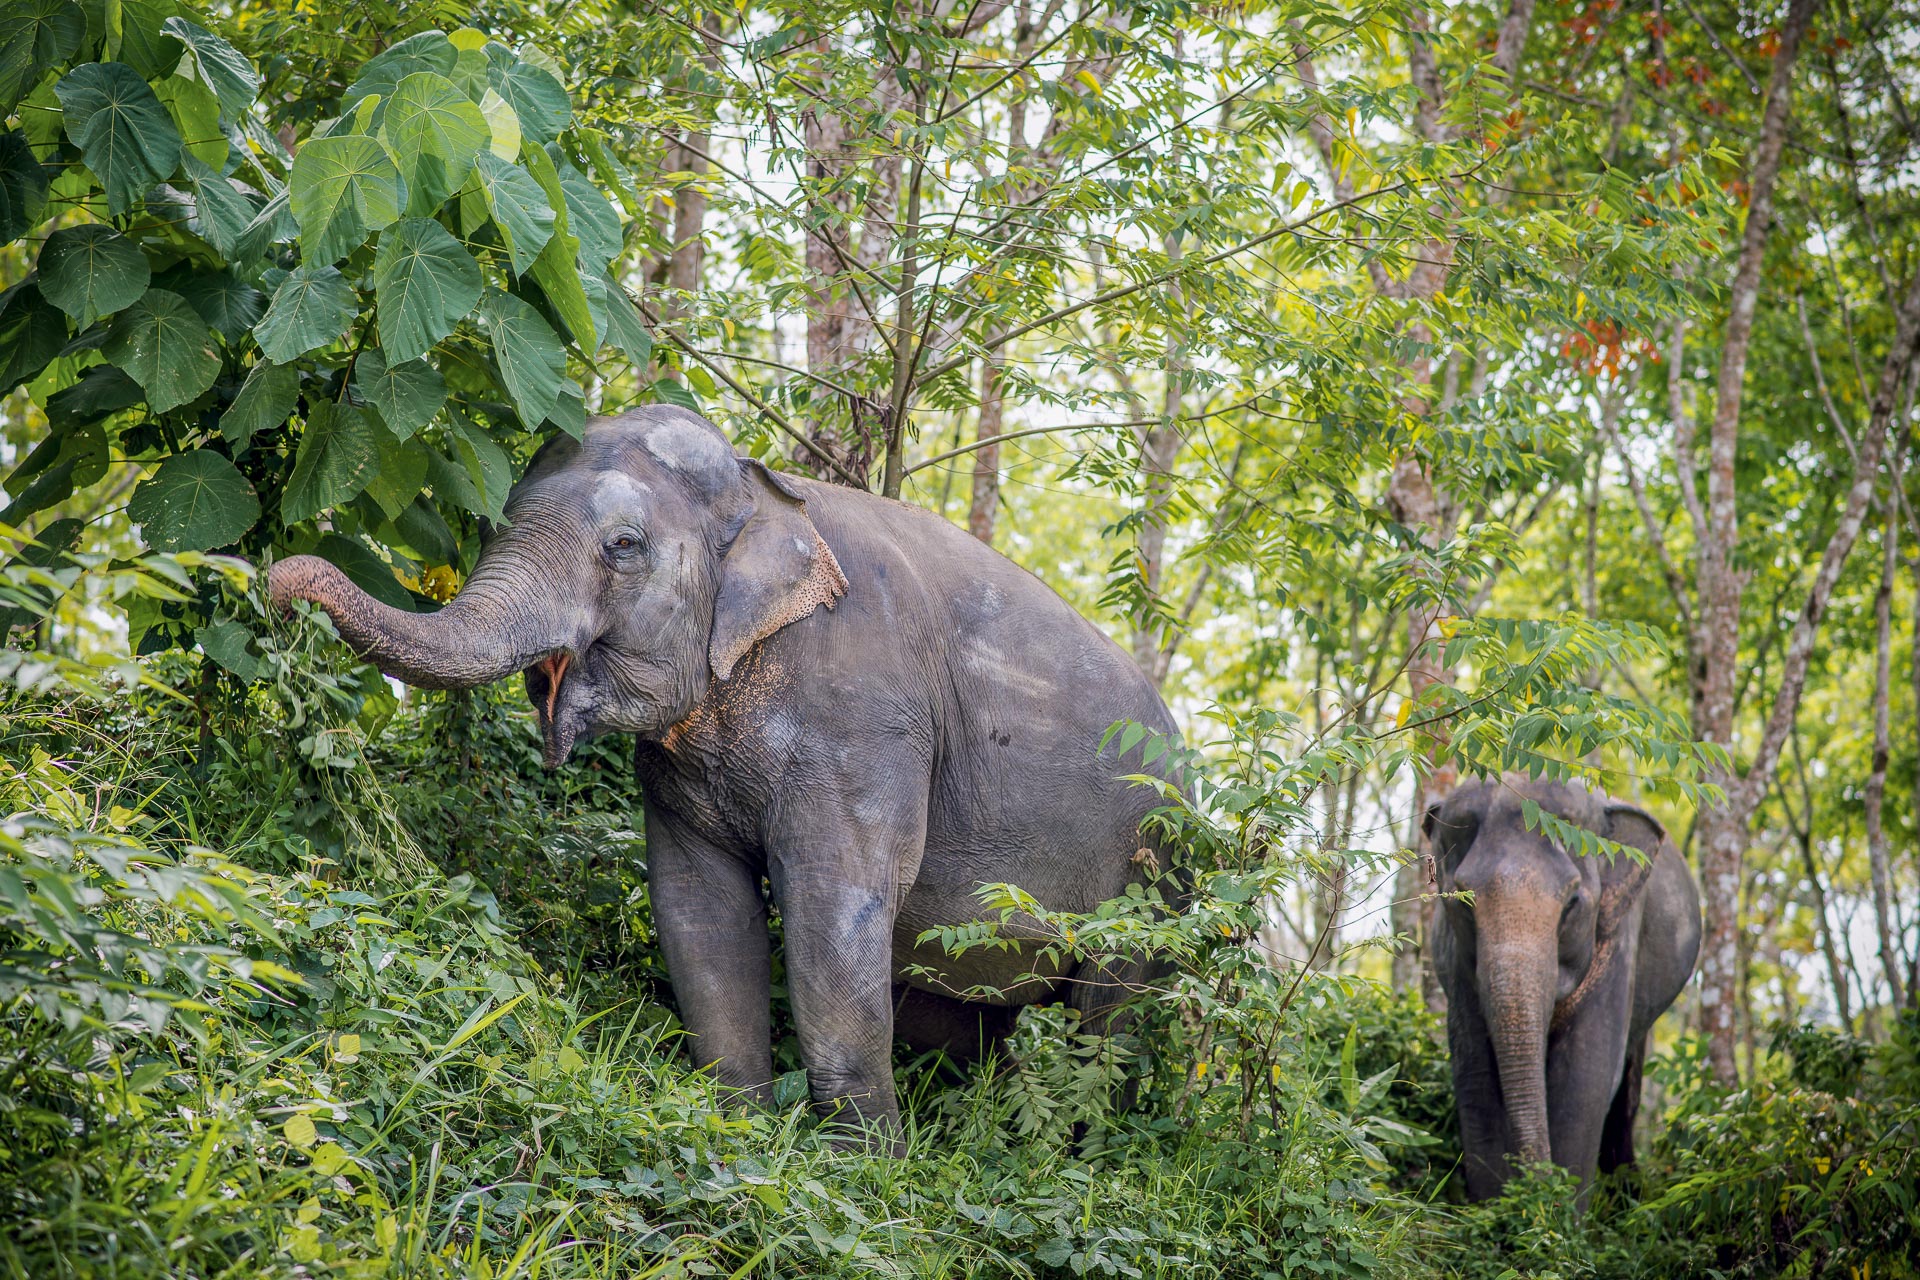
276,305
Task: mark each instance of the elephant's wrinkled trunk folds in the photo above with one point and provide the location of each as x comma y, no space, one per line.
1517,977
481,636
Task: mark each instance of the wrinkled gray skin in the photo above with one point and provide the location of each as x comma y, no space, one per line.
1553,974
846,696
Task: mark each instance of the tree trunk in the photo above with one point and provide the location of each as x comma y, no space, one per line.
985,507
1723,825
1877,775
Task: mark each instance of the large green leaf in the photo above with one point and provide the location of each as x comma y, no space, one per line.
101,390
224,300
486,465
625,329
336,459
142,44
223,217
424,530
428,51
520,209
124,134
396,480
31,334
222,67
538,100
364,569
226,642
166,347
34,36
406,394
425,283
266,400
557,269
196,114
592,219
92,271
312,307
343,188
23,187
528,353
195,501
434,132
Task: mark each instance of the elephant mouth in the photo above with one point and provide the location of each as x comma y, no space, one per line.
554,667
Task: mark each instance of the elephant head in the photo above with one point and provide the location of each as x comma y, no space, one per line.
638,564
1541,925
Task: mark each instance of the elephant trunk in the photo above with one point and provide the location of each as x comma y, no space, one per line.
1517,978
489,631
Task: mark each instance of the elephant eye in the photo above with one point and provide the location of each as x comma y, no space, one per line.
622,543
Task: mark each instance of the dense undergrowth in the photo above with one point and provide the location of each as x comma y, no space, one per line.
299,980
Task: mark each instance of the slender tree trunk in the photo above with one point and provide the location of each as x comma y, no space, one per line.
1159,446
985,507
1723,825
1877,775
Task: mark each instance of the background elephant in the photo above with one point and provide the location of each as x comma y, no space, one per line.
843,696
1553,973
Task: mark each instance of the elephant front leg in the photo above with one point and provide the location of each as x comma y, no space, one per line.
838,891
712,921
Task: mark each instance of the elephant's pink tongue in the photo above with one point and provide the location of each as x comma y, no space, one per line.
555,666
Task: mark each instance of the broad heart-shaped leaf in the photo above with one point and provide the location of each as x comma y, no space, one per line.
366,571
592,219
196,114
32,332
166,347
504,124
570,410
23,187
528,353
101,390
557,269
124,134
396,480
143,45
434,131
519,207
625,329
92,271
225,642
35,35
406,394
312,307
231,77
337,453
486,465
343,188
224,300
538,100
425,283
222,216
195,501
451,483
422,529
428,51
267,399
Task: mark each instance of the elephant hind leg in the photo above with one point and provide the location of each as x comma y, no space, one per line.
966,1031
1616,1135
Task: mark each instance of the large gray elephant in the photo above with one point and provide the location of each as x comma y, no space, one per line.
1554,972
844,696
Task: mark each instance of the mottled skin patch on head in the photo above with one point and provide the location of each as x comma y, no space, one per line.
617,494
687,444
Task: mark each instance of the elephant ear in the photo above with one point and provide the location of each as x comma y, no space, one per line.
1628,825
777,571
